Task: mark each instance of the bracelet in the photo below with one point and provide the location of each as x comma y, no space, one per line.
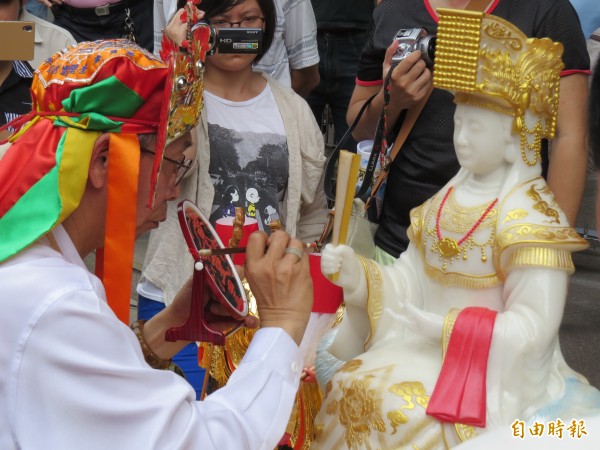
151,358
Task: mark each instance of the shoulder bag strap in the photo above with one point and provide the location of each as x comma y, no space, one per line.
333,158
412,114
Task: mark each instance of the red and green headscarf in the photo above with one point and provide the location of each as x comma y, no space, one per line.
92,88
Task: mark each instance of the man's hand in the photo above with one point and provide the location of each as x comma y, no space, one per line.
280,282
172,316
221,319
177,313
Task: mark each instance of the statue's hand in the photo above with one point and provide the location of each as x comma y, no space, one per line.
340,259
419,321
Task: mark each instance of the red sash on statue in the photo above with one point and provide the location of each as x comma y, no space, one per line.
460,392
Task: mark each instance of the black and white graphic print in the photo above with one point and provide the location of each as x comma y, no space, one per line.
247,169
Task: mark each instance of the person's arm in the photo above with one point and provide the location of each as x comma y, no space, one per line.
305,80
163,10
300,37
85,370
408,84
568,160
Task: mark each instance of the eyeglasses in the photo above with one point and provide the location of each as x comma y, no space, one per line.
183,165
246,22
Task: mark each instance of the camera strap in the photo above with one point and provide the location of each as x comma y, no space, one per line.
412,114
378,152
380,145
341,145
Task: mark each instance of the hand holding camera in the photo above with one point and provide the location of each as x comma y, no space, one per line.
410,56
413,39
226,40
177,27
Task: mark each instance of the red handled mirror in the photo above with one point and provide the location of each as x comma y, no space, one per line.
215,279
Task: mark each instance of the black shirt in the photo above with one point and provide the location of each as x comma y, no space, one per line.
343,14
15,94
427,160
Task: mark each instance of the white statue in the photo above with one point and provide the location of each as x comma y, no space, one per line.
460,335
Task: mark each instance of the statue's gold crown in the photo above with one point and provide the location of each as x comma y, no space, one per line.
489,63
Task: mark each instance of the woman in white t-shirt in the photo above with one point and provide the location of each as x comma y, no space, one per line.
259,147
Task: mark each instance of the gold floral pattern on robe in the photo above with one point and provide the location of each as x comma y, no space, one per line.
358,409
356,414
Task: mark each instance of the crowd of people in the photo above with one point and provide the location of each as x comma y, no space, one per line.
94,153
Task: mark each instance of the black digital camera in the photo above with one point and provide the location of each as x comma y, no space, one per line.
236,40
413,39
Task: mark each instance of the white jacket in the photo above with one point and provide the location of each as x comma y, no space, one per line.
168,263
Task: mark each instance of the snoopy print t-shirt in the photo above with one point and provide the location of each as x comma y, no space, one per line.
249,162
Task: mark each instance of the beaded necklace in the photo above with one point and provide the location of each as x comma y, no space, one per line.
449,247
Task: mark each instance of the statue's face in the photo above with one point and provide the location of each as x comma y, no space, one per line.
481,137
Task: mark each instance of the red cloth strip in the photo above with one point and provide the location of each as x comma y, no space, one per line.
25,163
460,392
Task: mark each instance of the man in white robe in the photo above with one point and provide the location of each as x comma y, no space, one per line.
73,375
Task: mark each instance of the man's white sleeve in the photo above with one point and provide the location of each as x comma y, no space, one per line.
79,381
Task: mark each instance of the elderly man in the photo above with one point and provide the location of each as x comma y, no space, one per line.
77,177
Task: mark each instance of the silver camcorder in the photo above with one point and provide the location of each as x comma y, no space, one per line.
413,39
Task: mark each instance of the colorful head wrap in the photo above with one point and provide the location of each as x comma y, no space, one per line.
92,88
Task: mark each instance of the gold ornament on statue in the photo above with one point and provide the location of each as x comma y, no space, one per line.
448,247
489,63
